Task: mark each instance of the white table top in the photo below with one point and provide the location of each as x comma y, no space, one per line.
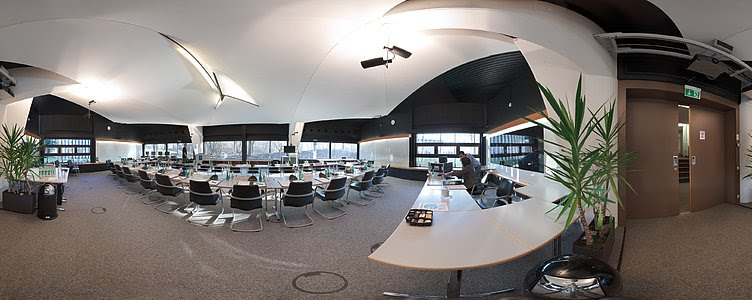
457,240
465,238
62,178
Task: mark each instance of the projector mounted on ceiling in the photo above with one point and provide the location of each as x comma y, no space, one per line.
708,66
380,61
6,82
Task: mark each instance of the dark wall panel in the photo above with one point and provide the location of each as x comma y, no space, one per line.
674,70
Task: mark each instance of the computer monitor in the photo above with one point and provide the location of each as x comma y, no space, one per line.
437,167
289,149
442,159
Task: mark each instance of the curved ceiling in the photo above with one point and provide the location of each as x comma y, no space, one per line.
299,60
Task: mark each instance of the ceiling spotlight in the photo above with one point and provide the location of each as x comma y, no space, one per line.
375,62
399,51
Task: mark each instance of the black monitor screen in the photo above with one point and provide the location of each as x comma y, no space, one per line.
289,149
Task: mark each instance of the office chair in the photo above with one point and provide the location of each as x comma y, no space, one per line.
361,186
299,194
482,186
378,179
503,195
130,178
166,188
293,177
150,186
202,194
246,198
333,192
73,168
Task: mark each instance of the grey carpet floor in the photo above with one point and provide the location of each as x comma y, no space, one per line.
134,251
700,255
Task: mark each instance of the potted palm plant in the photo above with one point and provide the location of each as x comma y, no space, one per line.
606,174
18,155
590,173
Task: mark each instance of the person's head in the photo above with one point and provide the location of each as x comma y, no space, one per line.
465,161
461,154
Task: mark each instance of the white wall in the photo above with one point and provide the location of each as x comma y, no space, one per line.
745,128
395,152
115,150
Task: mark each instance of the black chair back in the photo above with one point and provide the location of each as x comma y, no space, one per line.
119,171
246,197
299,194
505,188
367,180
145,181
128,175
379,177
293,177
252,178
214,177
202,194
335,189
165,186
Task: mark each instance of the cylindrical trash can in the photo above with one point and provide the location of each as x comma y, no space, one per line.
47,202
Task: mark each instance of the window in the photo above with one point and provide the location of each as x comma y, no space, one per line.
63,150
469,150
426,150
322,150
224,150
154,149
176,149
348,150
265,150
431,146
305,150
448,150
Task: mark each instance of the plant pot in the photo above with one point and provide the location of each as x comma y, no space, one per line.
20,203
601,249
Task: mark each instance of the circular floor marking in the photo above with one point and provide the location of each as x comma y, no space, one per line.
319,282
376,246
98,210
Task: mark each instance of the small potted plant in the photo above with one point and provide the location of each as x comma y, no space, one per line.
18,155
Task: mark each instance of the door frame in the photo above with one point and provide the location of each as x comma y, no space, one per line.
634,89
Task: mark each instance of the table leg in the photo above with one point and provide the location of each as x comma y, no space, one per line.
557,246
454,286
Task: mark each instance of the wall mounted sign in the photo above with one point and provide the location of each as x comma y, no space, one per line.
702,135
692,92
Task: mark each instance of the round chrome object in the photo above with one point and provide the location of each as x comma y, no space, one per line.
573,277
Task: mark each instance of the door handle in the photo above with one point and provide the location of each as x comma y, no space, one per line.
694,160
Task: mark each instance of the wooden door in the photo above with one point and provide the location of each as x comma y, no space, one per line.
707,148
651,133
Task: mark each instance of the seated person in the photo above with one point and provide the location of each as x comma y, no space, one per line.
467,172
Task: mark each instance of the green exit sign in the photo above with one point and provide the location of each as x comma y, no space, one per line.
692,92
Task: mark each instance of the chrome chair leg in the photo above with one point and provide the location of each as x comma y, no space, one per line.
342,211
233,222
360,193
213,223
284,219
172,209
147,198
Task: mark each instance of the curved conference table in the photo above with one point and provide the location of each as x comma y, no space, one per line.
463,236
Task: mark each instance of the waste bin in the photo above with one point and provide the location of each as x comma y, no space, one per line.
47,202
